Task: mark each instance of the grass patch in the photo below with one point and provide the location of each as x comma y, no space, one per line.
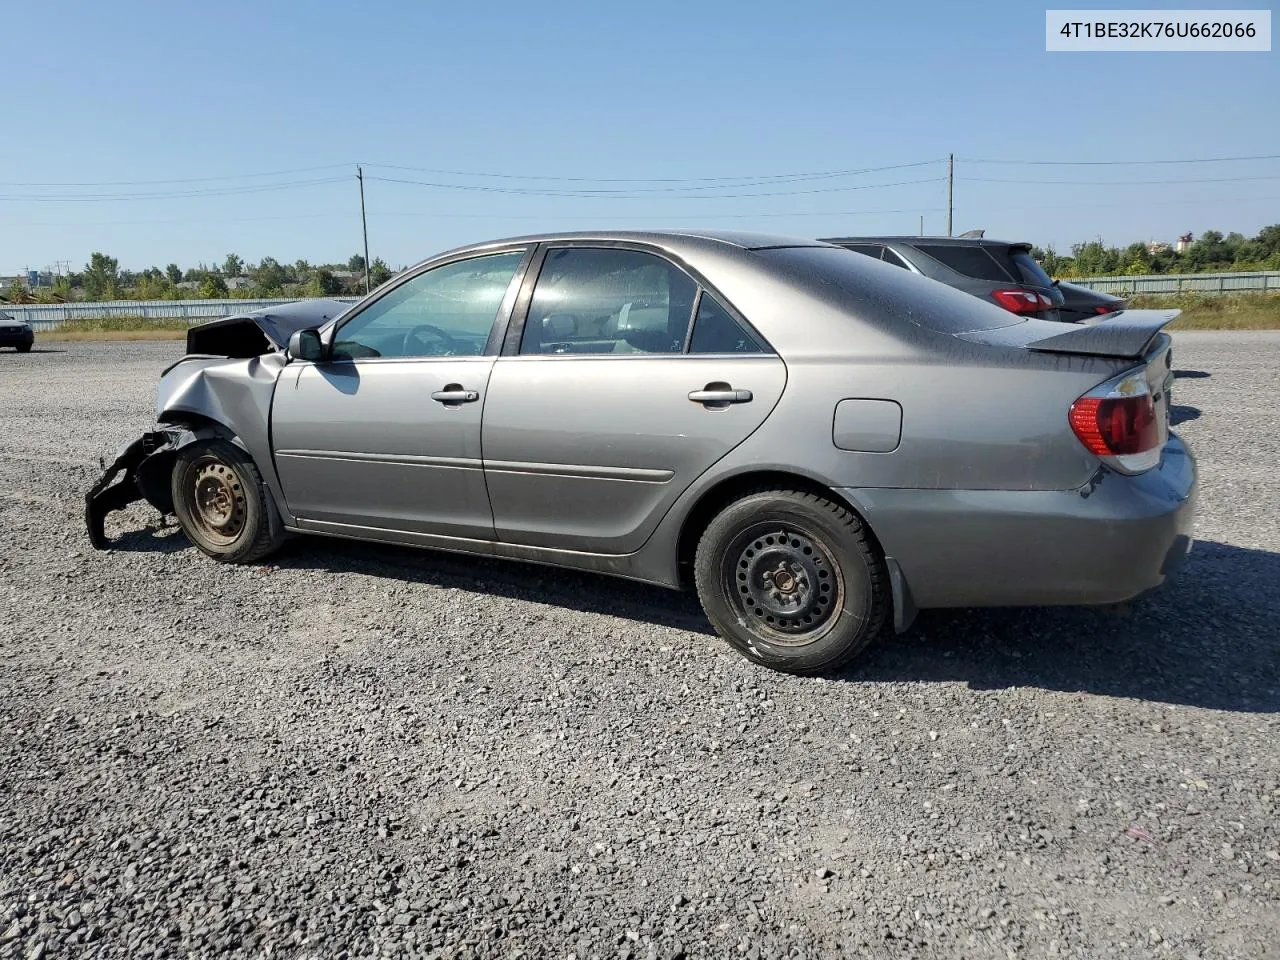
1244,311
118,328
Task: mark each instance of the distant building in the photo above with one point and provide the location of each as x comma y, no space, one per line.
1157,246
238,283
1184,242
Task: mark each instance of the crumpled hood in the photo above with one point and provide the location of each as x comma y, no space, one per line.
241,334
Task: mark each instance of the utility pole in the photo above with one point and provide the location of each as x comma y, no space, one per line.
922,224
364,227
951,184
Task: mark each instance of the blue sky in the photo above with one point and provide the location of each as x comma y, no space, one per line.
653,94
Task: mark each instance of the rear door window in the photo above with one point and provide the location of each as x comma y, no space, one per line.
970,261
590,300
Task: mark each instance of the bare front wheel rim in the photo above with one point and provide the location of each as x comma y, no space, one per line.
783,583
219,502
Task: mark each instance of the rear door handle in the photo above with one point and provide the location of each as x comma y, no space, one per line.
720,396
453,393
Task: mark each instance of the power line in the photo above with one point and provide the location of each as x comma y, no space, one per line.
142,183
169,195
764,179
1116,163
1111,205
1126,183
625,195
726,180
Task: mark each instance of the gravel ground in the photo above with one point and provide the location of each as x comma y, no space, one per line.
357,751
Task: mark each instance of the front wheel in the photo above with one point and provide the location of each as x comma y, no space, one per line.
792,580
24,348
221,503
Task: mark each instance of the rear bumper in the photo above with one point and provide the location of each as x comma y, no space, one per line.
1108,542
16,338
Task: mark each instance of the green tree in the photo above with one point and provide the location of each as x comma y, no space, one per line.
1209,252
356,263
102,277
269,277
174,273
212,287
152,285
232,266
1269,239
323,284
379,272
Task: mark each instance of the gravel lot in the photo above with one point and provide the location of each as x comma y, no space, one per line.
358,751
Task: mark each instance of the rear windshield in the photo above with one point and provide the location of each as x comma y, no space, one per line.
1028,270
852,282
969,261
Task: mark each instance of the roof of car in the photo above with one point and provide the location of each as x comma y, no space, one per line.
662,238
942,241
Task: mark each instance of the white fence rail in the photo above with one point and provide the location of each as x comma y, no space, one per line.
1261,281
48,317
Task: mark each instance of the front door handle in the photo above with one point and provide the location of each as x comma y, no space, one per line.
454,393
719,395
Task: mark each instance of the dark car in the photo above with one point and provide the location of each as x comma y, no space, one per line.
15,333
1000,272
1081,303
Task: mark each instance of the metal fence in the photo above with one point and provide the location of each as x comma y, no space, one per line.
45,317
1210,284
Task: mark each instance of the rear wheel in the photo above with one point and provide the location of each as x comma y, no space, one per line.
24,348
792,581
221,503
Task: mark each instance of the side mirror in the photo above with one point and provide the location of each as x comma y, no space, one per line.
306,345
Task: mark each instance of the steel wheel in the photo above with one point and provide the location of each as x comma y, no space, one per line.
219,500
784,583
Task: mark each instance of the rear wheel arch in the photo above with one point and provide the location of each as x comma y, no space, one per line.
712,501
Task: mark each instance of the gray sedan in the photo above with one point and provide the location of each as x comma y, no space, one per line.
818,443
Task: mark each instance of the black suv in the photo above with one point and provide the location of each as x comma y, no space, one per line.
1004,273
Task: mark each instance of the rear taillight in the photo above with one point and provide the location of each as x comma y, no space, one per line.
1100,309
1117,422
1022,301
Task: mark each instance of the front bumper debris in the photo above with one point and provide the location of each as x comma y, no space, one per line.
146,465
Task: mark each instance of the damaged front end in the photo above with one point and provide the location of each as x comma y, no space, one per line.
146,465
221,388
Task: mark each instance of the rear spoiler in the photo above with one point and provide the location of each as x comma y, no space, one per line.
1127,334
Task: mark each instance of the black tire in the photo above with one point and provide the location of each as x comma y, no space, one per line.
792,580
221,503
24,348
